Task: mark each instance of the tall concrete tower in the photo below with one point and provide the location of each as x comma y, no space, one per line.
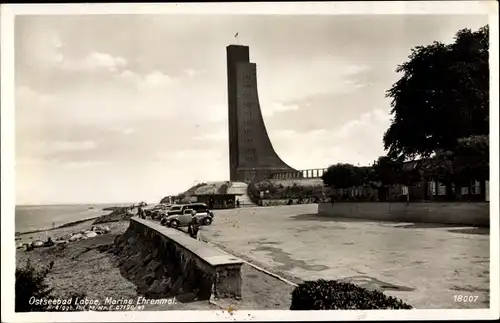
251,154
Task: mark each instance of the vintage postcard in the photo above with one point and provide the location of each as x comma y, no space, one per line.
241,161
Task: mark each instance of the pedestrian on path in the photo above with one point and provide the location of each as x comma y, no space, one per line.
194,226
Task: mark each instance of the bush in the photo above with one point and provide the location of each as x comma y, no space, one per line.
276,190
30,283
335,295
253,193
223,188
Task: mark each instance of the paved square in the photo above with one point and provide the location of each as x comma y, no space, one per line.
423,264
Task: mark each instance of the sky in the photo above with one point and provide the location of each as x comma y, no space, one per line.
124,108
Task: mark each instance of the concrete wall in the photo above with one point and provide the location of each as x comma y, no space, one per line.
164,262
477,214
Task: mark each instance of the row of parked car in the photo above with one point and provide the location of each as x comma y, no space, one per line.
180,215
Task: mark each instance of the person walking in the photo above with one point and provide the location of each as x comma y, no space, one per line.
194,226
140,212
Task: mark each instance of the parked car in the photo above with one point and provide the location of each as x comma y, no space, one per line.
179,208
156,211
203,215
161,209
175,209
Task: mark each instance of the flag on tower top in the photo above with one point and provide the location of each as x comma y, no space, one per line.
236,35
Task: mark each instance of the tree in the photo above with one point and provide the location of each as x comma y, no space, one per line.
362,175
341,176
385,171
388,172
472,158
409,175
442,96
440,168
469,161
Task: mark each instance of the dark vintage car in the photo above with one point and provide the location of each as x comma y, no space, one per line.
156,211
182,215
179,208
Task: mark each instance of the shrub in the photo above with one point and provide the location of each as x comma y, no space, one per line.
30,283
223,188
253,193
335,295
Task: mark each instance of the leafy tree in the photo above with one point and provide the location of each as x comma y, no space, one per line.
442,96
440,168
469,161
388,172
385,171
409,175
362,175
341,176
472,158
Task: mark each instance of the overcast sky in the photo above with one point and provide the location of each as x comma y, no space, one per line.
130,108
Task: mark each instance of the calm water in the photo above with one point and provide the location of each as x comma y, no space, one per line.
36,217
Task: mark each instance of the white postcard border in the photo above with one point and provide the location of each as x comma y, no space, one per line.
8,13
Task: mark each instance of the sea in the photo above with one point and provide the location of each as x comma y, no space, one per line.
42,217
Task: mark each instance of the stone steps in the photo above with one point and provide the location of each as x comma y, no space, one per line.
240,189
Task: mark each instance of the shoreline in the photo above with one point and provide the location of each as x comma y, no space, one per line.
73,223
62,226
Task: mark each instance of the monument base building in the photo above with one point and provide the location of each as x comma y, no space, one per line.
251,154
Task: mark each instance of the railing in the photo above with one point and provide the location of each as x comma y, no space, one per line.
305,173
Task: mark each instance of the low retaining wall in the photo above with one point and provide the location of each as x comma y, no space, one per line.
165,262
475,214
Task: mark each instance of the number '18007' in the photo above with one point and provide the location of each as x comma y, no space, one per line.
465,298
